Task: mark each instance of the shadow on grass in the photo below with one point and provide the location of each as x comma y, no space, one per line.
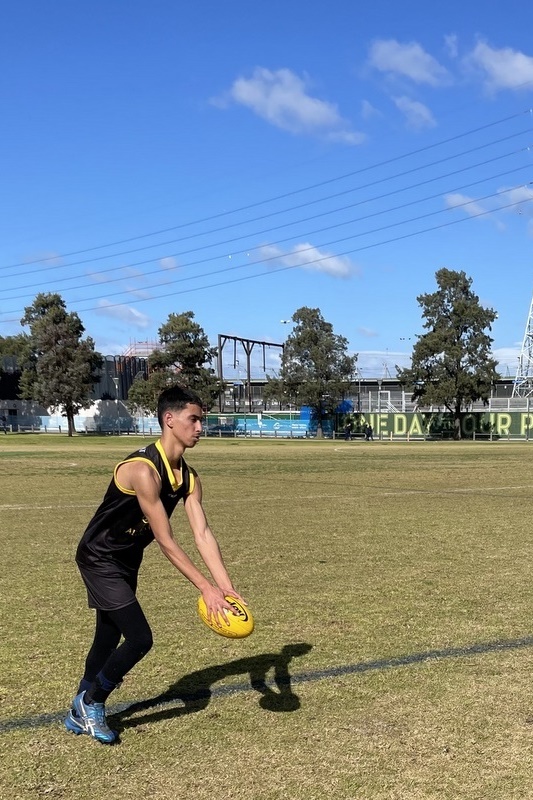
195,689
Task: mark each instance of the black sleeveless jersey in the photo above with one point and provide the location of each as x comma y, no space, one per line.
114,541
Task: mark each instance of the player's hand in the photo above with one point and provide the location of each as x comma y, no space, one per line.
233,593
216,604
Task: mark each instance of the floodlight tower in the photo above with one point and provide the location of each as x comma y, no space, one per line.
523,385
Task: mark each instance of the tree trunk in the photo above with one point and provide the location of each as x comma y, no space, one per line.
70,423
457,424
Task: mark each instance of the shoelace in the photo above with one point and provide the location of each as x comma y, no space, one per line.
99,713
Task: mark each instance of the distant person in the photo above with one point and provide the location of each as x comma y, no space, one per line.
347,431
369,433
3,422
144,490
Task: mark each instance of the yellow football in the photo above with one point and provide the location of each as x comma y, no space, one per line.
238,624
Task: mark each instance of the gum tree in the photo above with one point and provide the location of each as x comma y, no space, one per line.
316,369
452,363
184,358
60,369
14,348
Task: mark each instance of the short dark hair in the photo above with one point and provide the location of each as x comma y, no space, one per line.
175,399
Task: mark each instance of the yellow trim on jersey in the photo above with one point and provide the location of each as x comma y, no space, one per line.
174,482
128,461
170,472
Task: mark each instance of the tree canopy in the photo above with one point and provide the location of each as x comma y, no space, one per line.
60,367
452,364
316,369
183,358
14,350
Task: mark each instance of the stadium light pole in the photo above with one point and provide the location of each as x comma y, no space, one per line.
115,381
358,379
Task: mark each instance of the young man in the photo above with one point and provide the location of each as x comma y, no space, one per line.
145,489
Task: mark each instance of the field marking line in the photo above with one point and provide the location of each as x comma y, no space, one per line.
29,507
458,490
382,492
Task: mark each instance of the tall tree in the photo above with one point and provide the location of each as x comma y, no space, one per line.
62,367
316,369
452,364
14,351
184,358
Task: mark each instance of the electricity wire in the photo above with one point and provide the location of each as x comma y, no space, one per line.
291,193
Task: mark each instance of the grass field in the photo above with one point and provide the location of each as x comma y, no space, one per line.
392,659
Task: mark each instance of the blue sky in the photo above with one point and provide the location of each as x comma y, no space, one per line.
241,160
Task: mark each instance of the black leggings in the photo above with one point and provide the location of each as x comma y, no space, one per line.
105,656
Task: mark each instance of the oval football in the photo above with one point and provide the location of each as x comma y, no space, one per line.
240,623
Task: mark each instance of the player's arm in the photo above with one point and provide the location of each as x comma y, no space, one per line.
146,484
206,542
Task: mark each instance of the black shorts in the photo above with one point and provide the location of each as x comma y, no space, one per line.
108,592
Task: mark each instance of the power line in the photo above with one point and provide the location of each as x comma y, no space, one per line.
283,196
306,234
371,184
315,260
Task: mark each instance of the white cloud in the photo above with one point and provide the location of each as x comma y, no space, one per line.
99,277
126,314
110,347
523,196
50,258
507,358
504,68
473,208
308,257
367,332
452,45
408,60
140,294
518,198
381,363
346,137
281,98
112,276
368,111
467,204
417,115
169,262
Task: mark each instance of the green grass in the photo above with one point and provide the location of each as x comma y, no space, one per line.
352,555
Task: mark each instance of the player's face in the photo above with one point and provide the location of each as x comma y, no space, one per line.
186,425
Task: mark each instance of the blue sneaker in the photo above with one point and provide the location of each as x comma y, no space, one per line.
73,723
90,719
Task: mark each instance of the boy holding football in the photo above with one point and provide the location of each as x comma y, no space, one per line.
136,509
